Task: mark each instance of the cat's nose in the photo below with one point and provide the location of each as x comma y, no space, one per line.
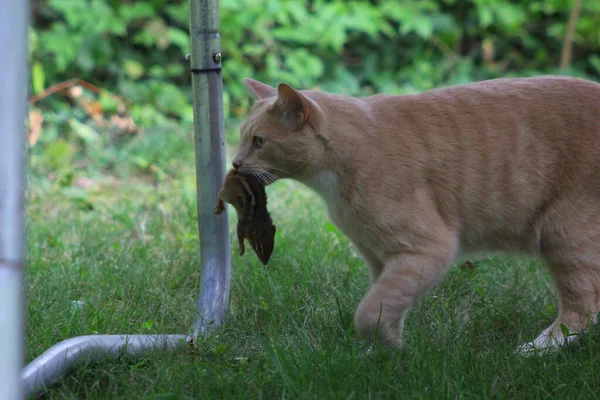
236,165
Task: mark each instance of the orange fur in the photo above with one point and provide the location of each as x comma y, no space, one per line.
413,181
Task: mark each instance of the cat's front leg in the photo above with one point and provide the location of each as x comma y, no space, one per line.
374,263
404,279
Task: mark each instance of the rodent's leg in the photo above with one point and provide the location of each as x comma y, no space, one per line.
404,279
219,208
240,236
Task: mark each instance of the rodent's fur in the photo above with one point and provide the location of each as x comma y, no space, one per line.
249,198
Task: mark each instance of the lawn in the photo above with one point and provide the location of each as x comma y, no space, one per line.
125,243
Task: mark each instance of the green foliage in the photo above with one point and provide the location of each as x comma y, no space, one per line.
134,49
137,48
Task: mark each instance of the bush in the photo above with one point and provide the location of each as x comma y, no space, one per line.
137,49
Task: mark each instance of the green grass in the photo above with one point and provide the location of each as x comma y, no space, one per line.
130,252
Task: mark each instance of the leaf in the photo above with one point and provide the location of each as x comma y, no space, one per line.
179,12
33,41
174,69
108,101
595,62
158,29
123,123
147,325
136,11
134,69
58,155
485,16
292,34
564,330
93,108
179,38
301,62
330,227
424,28
487,48
35,127
220,348
38,77
85,132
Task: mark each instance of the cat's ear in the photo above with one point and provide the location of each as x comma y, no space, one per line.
259,89
290,108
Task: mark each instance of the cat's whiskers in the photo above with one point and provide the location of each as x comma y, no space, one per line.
284,171
261,174
265,176
261,178
270,176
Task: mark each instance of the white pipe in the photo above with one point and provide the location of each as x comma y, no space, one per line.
59,360
11,331
14,21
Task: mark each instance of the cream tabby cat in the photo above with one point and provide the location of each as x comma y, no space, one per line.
414,181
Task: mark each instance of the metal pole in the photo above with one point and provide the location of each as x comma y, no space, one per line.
207,89
14,21
60,359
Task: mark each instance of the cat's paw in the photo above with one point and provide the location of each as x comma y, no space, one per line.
550,340
385,329
531,349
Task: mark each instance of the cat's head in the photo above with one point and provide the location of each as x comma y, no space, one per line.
281,137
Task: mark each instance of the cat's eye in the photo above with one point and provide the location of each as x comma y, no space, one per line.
258,142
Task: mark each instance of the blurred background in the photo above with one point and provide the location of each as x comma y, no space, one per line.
110,85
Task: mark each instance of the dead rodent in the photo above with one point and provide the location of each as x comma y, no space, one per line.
247,195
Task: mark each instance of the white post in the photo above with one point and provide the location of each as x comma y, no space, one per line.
14,22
